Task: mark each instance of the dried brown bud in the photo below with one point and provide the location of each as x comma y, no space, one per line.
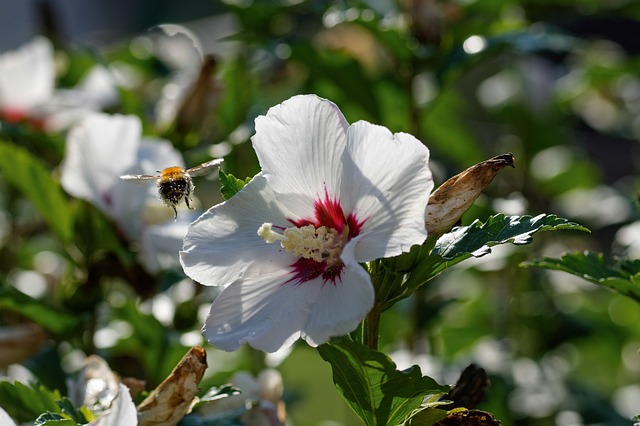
172,399
449,202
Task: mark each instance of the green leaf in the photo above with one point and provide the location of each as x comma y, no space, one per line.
622,277
216,394
41,313
25,403
230,185
34,180
427,417
370,383
67,408
52,419
476,240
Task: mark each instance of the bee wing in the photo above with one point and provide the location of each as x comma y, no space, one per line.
204,167
138,177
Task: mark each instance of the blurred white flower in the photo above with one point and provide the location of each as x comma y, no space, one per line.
121,412
331,196
99,150
27,88
27,77
98,388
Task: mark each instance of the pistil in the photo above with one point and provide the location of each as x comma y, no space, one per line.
322,244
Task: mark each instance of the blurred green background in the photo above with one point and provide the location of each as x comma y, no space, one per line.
555,83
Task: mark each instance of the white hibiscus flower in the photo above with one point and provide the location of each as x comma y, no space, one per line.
331,196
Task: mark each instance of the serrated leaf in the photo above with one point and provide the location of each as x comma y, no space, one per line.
476,240
622,277
230,185
34,180
370,383
41,313
27,402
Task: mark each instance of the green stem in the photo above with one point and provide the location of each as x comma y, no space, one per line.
372,327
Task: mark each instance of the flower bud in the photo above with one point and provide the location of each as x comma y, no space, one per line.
449,202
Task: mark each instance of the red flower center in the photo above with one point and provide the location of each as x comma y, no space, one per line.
328,214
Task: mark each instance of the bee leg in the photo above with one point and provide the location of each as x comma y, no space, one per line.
175,212
186,200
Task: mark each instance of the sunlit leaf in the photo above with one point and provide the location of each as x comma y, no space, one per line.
373,387
53,419
34,180
230,185
476,240
622,277
216,394
427,417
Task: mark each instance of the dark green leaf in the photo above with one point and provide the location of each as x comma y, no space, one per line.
67,408
34,180
230,185
25,403
623,277
476,240
373,387
41,313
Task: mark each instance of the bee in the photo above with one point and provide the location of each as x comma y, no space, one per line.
174,183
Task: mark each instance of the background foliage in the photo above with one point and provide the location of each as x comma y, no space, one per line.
557,84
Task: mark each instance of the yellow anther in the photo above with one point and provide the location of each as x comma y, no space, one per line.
320,244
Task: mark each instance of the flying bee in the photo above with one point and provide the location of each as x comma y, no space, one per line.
174,183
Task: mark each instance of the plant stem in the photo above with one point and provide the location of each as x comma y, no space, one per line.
372,327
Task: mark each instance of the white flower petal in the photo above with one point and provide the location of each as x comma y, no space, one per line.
98,151
223,244
27,75
262,311
270,313
339,308
299,144
386,181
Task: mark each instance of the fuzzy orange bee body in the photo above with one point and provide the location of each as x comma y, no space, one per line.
175,184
